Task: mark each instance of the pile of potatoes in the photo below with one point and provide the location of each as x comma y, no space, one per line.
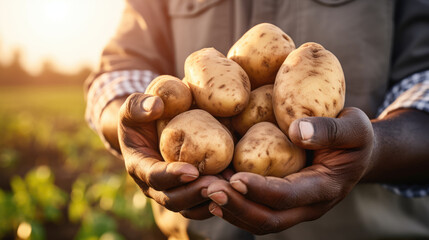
238,108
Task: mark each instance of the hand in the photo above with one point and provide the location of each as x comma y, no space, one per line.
343,148
176,186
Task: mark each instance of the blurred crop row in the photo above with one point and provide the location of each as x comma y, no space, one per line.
57,181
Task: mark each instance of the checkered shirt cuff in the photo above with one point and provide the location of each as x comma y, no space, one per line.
411,92
110,86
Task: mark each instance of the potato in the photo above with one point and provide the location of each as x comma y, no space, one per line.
219,85
309,83
196,137
175,94
259,109
267,151
261,51
172,224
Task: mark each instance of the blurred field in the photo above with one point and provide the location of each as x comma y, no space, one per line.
56,179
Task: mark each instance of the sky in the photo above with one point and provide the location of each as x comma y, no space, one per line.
71,33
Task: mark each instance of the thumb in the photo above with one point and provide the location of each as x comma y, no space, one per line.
141,108
351,129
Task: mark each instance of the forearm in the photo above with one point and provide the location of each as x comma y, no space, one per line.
401,150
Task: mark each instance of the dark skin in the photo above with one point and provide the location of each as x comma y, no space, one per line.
347,150
176,186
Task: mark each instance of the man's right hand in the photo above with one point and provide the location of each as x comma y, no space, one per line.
176,186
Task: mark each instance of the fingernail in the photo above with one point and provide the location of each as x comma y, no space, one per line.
148,103
239,186
204,193
219,198
215,210
306,129
187,177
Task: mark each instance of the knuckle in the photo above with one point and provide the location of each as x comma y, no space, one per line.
269,225
336,191
285,201
153,181
319,211
333,190
331,130
145,191
128,112
155,177
128,105
315,216
186,213
172,205
131,169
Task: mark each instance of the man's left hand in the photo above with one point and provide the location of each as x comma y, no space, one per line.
343,148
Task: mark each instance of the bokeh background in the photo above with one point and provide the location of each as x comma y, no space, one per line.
56,179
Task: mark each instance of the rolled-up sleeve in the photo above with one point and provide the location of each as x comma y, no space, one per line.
112,85
411,92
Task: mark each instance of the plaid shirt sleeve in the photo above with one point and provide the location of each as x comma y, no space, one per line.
411,92
109,86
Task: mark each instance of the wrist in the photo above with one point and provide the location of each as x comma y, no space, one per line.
370,174
400,148
109,119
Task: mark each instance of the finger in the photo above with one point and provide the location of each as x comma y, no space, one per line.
184,197
254,217
227,173
157,174
141,108
233,207
231,217
311,185
199,212
276,222
351,129
138,143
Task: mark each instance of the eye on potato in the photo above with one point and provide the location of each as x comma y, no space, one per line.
259,109
267,151
174,93
196,137
219,85
261,51
310,83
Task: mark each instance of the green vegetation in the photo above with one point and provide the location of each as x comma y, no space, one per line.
56,178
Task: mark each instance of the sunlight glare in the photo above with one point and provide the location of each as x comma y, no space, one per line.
69,33
57,10
24,230
139,200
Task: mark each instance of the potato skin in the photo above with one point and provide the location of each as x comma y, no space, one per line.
267,151
259,109
310,83
175,94
219,85
196,137
261,51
